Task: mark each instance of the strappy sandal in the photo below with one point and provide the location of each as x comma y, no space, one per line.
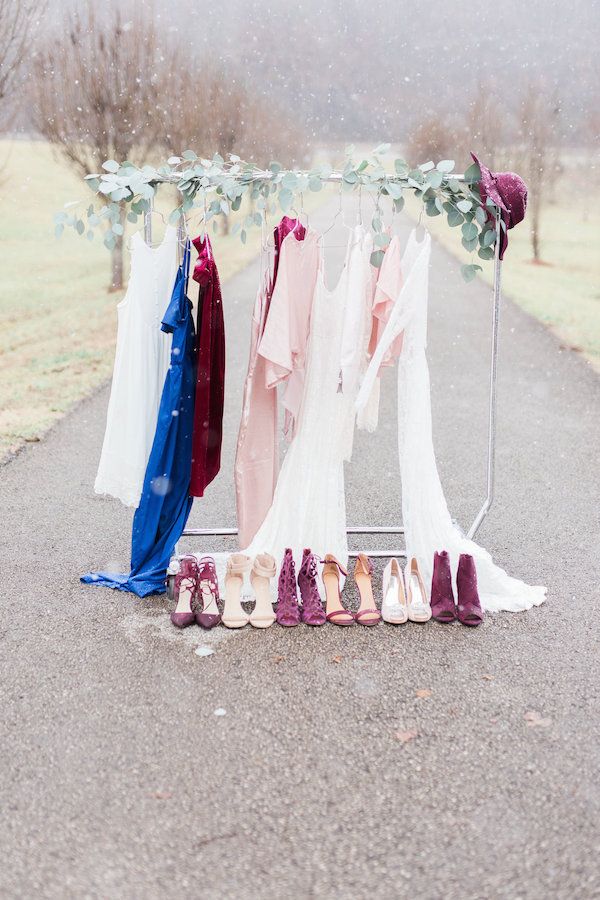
419,609
208,615
367,613
184,591
233,614
264,568
334,610
288,611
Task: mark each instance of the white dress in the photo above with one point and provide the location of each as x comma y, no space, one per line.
427,522
141,362
309,506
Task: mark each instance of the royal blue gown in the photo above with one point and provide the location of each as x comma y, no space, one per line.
165,503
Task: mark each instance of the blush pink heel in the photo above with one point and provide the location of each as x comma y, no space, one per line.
264,568
334,610
367,614
233,613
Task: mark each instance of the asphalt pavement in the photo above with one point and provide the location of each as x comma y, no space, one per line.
413,762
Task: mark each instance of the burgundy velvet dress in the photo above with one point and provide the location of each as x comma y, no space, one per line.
210,378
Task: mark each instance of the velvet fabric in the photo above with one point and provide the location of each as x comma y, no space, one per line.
165,503
443,607
508,192
210,374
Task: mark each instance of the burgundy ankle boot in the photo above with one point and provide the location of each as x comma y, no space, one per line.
469,607
288,611
312,605
443,607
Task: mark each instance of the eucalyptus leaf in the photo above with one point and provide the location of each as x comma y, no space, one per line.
315,184
399,204
131,217
286,198
469,231
110,165
377,258
470,245
486,252
401,166
380,150
464,205
445,165
489,237
470,271
394,190
481,215
243,235
435,178
174,160
117,229
426,167
275,167
79,226
473,174
190,155
455,217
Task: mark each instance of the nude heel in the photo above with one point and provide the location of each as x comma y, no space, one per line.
263,569
367,614
394,609
233,614
419,609
334,610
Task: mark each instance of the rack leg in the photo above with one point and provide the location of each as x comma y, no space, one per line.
148,222
491,454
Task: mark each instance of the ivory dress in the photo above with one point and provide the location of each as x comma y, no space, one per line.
141,363
309,507
427,522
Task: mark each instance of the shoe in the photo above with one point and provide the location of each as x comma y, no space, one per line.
394,608
288,611
208,615
419,609
367,613
469,608
334,611
312,612
233,615
443,607
264,568
184,591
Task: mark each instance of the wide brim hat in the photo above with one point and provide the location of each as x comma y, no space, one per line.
508,192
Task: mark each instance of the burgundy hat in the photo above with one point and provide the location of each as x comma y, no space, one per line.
509,193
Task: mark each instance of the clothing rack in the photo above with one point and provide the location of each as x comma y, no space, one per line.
337,177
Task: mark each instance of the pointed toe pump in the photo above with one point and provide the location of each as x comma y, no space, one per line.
312,612
234,615
264,568
367,613
469,607
419,609
207,596
288,611
443,607
334,610
394,608
184,591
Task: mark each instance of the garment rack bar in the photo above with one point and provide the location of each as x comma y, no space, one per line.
352,529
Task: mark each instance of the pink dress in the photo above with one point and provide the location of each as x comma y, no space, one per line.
285,337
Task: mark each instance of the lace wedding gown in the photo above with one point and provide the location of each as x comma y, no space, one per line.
427,522
309,507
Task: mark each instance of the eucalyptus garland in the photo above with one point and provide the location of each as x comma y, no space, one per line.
218,186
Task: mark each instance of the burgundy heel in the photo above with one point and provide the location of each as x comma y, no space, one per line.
312,605
443,606
184,591
207,594
469,607
288,611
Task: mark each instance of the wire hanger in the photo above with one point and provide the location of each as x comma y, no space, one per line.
340,212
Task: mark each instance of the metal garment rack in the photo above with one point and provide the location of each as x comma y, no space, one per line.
337,177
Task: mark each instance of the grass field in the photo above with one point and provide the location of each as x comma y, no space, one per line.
564,291
57,319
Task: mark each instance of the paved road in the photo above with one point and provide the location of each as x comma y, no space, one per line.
118,780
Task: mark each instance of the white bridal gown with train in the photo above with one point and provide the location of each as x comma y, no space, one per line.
309,507
427,522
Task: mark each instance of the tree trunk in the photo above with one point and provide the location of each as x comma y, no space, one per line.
116,259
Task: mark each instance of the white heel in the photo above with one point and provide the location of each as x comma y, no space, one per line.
394,609
233,613
263,569
419,609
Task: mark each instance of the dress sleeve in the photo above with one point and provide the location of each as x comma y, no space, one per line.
276,342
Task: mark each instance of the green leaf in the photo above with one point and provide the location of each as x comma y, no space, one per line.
59,230
469,245
286,198
431,209
275,167
131,217
381,149
363,165
401,166
399,204
350,177
454,185
469,231
235,204
486,252
315,183
381,240
394,190
189,154
473,174
90,235
243,235
470,271
464,205
489,237
174,160
110,165
427,166
481,215
117,229
377,258
289,181
174,216
79,226
455,217
435,178
445,165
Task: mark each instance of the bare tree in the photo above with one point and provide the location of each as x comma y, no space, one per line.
432,139
488,126
97,92
537,153
17,18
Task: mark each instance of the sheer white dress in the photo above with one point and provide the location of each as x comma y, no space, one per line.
427,522
142,360
309,507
